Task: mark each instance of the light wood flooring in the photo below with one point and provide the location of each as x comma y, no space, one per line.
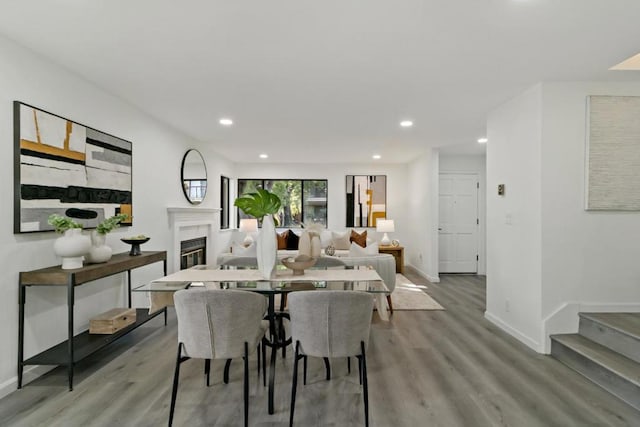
426,368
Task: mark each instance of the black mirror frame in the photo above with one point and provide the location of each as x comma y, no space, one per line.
206,173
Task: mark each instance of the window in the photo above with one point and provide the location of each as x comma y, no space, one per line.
303,200
224,202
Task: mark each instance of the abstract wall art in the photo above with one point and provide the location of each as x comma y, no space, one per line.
63,167
613,153
366,200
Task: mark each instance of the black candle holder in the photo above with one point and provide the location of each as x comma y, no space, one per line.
135,245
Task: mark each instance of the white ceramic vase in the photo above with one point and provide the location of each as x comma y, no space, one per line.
267,248
71,247
304,244
99,251
316,246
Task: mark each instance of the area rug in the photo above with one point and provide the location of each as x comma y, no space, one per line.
409,296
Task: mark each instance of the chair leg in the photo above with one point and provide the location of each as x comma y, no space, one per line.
174,391
207,369
246,384
264,363
348,365
294,383
304,370
225,376
327,367
365,385
390,304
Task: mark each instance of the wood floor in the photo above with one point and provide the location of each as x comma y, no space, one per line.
426,368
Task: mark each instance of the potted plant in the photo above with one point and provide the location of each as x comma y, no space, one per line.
99,251
263,204
72,245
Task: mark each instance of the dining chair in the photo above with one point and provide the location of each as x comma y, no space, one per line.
330,324
218,324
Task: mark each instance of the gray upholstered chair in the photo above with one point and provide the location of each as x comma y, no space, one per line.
218,324
330,324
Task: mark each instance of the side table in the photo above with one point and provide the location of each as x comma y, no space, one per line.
398,254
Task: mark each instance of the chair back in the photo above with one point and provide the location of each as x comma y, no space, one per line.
215,323
241,261
330,323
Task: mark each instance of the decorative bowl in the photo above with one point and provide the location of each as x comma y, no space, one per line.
135,244
299,263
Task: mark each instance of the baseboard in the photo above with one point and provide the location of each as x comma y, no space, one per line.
565,319
430,278
528,341
29,374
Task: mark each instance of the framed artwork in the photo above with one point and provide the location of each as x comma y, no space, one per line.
63,167
613,153
366,200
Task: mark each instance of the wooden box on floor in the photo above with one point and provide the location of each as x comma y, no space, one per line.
112,321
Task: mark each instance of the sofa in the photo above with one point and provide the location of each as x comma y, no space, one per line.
384,264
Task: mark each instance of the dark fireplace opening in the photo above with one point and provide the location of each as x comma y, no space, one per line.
193,252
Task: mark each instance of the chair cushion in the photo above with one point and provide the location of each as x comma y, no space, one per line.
359,238
239,250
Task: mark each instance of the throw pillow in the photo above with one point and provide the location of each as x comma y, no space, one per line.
240,250
292,240
358,251
359,238
282,239
340,240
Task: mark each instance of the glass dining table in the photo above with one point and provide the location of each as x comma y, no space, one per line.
281,283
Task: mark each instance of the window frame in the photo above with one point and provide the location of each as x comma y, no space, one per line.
225,205
302,210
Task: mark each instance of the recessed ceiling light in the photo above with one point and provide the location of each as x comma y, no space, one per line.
264,156
377,156
406,123
226,122
483,140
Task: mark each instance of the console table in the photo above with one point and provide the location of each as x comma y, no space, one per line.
76,348
398,254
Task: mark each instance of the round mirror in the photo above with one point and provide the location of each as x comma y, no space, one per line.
194,177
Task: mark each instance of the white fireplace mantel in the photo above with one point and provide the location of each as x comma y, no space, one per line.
191,222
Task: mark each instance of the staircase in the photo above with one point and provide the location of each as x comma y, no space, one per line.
606,350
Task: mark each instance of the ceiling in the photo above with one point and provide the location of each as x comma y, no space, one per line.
327,81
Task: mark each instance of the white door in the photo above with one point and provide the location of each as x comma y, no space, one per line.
458,229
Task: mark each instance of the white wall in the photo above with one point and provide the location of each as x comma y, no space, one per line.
157,154
422,211
477,165
589,259
335,174
514,220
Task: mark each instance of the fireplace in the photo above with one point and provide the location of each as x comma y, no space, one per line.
193,252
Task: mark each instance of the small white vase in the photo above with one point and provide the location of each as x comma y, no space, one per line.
71,247
267,248
304,244
99,251
316,246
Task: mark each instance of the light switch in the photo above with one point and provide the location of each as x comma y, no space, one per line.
500,189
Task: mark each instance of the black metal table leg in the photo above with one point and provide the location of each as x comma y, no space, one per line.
70,303
129,286
21,298
274,350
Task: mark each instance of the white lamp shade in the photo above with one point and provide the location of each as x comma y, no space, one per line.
249,225
385,226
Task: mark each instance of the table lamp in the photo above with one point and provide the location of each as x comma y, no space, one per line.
248,225
385,226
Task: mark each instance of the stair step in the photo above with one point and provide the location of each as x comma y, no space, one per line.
614,372
617,331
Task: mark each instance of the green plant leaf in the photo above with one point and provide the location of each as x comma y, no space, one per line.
259,204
